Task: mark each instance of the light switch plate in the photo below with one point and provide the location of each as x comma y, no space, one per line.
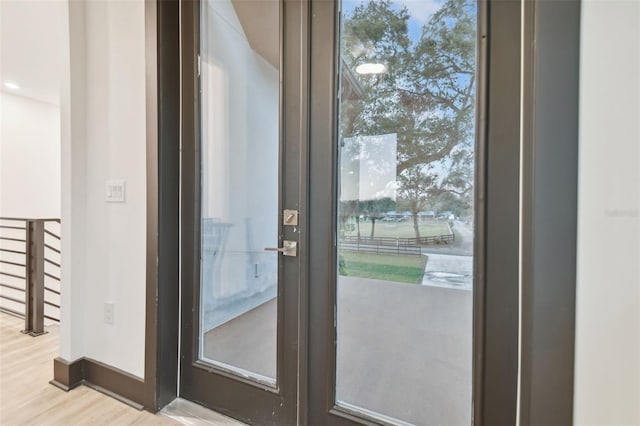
116,191
109,312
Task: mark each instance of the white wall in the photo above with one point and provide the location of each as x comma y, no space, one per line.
240,167
29,158
607,371
104,255
32,48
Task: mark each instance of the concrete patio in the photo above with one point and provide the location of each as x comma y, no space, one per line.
404,350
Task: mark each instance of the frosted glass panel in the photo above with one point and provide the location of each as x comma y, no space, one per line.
239,162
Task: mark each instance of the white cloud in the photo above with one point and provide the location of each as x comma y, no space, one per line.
421,10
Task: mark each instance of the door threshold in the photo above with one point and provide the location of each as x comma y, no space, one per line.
189,413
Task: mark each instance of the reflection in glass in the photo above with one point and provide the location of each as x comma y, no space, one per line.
240,56
405,211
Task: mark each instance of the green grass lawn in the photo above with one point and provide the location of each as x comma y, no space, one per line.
388,267
398,229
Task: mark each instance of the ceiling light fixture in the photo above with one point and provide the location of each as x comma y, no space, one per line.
11,85
371,68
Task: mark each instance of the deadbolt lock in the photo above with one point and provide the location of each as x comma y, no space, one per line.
290,217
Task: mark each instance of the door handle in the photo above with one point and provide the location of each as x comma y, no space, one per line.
289,248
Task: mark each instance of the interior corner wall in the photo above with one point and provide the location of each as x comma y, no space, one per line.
29,158
607,368
104,138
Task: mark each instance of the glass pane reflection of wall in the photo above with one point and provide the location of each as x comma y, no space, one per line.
239,179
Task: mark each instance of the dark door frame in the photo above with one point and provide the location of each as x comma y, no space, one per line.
549,210
162,40
496,300
551,75
243,398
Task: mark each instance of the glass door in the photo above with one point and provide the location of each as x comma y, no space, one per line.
405,216
241,208
397,287
350,211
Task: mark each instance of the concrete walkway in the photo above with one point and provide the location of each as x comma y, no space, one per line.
463,246
451,266
449,271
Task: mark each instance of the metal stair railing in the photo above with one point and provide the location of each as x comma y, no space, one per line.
30,271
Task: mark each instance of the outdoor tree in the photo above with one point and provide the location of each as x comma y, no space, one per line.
442,75
426,96
448,202
456,188
418,186
349,209
375,210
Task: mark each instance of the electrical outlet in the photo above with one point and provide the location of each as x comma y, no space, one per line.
109,312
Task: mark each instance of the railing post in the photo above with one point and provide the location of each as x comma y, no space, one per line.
34,306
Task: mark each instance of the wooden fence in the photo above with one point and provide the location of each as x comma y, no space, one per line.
394,241
373,247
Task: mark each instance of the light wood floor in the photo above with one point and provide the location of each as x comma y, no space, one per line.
27,398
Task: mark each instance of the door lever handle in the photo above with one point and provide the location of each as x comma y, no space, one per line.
289,248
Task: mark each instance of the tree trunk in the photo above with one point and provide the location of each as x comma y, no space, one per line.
416,225
373,226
